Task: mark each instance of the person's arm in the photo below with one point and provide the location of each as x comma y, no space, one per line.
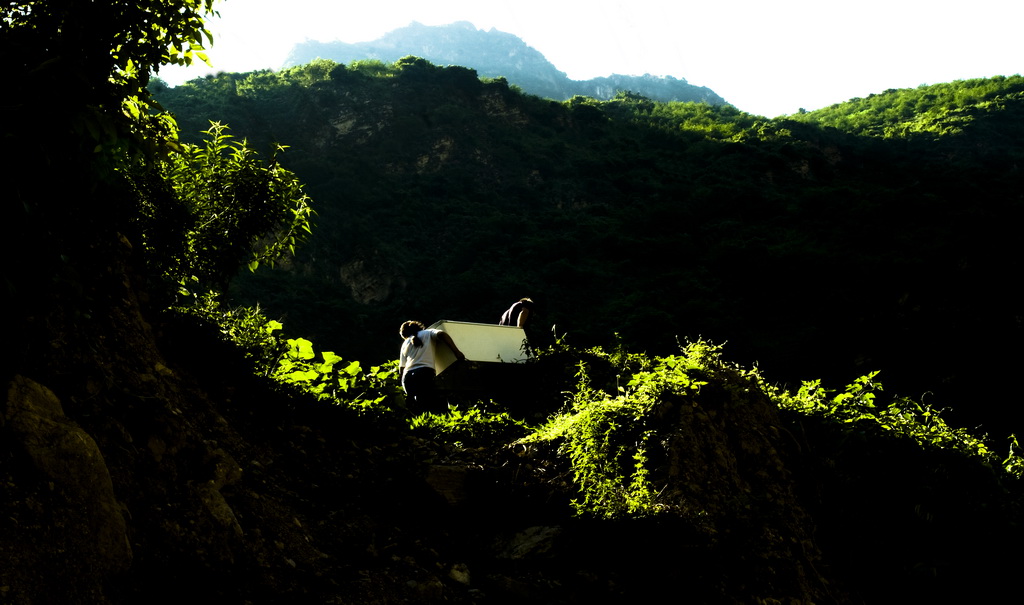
451,345
401,364
523,316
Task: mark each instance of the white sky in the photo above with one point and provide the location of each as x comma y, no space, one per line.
767,57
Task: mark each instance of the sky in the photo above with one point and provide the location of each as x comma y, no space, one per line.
765,57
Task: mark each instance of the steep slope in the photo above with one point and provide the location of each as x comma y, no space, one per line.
148,460
187,471
495,54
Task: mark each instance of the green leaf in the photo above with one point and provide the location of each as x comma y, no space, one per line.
301,348
330,358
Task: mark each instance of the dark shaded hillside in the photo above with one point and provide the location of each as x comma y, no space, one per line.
812,251
137,489
496,54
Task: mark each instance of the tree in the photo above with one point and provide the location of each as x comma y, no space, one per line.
223,208
99,181
66,185
104,51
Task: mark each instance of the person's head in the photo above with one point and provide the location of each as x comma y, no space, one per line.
528,303
410,329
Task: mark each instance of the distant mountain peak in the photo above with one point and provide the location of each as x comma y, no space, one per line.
494,53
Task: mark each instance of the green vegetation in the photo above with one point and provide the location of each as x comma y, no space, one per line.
903,418
611,431
473,427
608,437
693,439
295,365
714,122
332,379
116,176
932,111
811,247
215,208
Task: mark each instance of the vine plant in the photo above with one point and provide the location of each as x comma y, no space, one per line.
330,378
903,417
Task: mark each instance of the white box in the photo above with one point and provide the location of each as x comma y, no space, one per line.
485,343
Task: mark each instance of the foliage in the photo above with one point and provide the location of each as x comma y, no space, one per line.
932,110
1014,462
472,427
73,193
608,436
331,379
607,439
604,432
721,122
294,363
904,418
245,327
108,49
372,68
608,469
224,209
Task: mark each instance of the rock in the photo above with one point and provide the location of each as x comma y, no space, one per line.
449,481
531,543
82,505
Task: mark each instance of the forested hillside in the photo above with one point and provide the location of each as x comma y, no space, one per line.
941,111
874,235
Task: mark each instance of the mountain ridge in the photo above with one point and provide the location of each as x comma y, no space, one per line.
493,54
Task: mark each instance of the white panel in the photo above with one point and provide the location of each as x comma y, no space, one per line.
480,342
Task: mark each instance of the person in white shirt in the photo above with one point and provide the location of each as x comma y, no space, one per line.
416,364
